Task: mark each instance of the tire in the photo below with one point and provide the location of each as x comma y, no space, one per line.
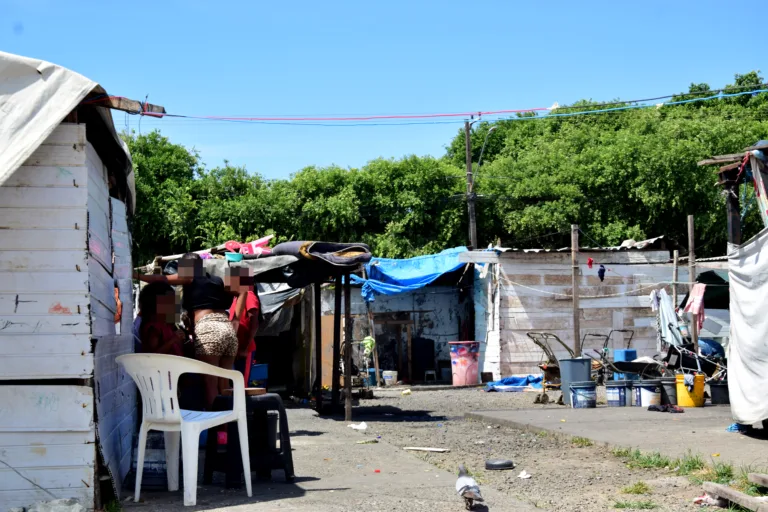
499,464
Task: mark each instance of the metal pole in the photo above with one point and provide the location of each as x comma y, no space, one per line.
318,351
336,385
575,288
470,187
691,282
347,349
675,274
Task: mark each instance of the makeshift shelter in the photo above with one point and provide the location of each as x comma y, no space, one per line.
66,188
518,291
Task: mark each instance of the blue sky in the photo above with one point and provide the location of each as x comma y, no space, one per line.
247,58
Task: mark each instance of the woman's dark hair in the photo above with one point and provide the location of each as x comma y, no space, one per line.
195,260
149,294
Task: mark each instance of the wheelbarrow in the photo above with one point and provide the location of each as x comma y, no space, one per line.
602,366
550,365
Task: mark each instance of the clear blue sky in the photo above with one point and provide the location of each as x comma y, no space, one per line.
355,57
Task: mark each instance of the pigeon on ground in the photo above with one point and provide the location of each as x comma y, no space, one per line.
467,488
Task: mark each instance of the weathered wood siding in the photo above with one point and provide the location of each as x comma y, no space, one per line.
47,444
45,320
535,295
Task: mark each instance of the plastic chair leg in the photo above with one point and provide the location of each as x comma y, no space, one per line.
242,428
140,459
172,445
190,443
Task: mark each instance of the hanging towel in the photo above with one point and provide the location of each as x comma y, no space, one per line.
696,303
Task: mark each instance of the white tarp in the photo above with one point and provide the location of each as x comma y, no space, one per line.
748,348
35,97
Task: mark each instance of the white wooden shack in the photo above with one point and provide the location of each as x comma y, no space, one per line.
67,414
522,291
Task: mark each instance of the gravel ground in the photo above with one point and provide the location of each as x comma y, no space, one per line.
565,477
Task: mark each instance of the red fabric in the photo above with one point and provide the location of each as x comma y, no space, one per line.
590,261
244,329
166,333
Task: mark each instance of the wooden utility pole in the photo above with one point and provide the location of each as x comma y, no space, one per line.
675,274
336,384
347,349
470,187
575,288
691,282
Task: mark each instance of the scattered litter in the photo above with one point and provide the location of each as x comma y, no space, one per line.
377,471
524,475
378,437
360,426
715,454
406,392
666,408
419,449
368,441
562,421
479,442
359,466
706,500
439,425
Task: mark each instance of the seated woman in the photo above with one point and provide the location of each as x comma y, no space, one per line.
157,332
207,300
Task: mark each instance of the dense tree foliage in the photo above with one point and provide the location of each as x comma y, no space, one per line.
618,174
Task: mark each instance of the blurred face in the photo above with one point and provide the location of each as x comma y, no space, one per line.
187,268
166,307
238,279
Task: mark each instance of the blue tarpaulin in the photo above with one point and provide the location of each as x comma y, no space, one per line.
515,383
391,277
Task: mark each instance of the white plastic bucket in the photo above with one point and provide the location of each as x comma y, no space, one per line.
390,378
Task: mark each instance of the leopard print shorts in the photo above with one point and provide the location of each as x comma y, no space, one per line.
215,336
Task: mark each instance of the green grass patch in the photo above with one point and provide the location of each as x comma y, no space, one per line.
582,442
651,460
113,506
635,505
621,452
690,464
637,488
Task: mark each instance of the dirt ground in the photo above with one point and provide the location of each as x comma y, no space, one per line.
565,476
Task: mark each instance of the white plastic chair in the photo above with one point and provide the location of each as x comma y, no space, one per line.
157,377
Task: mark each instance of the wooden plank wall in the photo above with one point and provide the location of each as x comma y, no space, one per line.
535,294
47,444
44,288
116,399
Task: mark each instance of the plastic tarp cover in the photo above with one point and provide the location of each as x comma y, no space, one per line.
35,96
516,383
392,276
748,348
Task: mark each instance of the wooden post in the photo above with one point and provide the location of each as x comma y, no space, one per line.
400,352
318,351
734,215
372,327
470,186
675,274
691,282
575,288
348,348
410,359
336,380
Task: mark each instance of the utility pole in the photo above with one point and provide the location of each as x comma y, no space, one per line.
675,266
575,289
470,187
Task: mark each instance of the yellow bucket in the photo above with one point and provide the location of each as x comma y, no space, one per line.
693,398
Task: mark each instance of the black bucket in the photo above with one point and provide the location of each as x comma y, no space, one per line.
668,391
718,391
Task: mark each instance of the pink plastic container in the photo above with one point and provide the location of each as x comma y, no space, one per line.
464,364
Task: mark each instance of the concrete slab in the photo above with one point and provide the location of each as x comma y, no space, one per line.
335,473
698,430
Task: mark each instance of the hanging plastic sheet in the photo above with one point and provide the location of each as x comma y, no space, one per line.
748,348
391,276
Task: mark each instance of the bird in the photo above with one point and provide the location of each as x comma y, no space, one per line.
467,488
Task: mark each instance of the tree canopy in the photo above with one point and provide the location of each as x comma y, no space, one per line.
618,174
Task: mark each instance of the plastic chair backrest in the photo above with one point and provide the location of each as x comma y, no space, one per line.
157,377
